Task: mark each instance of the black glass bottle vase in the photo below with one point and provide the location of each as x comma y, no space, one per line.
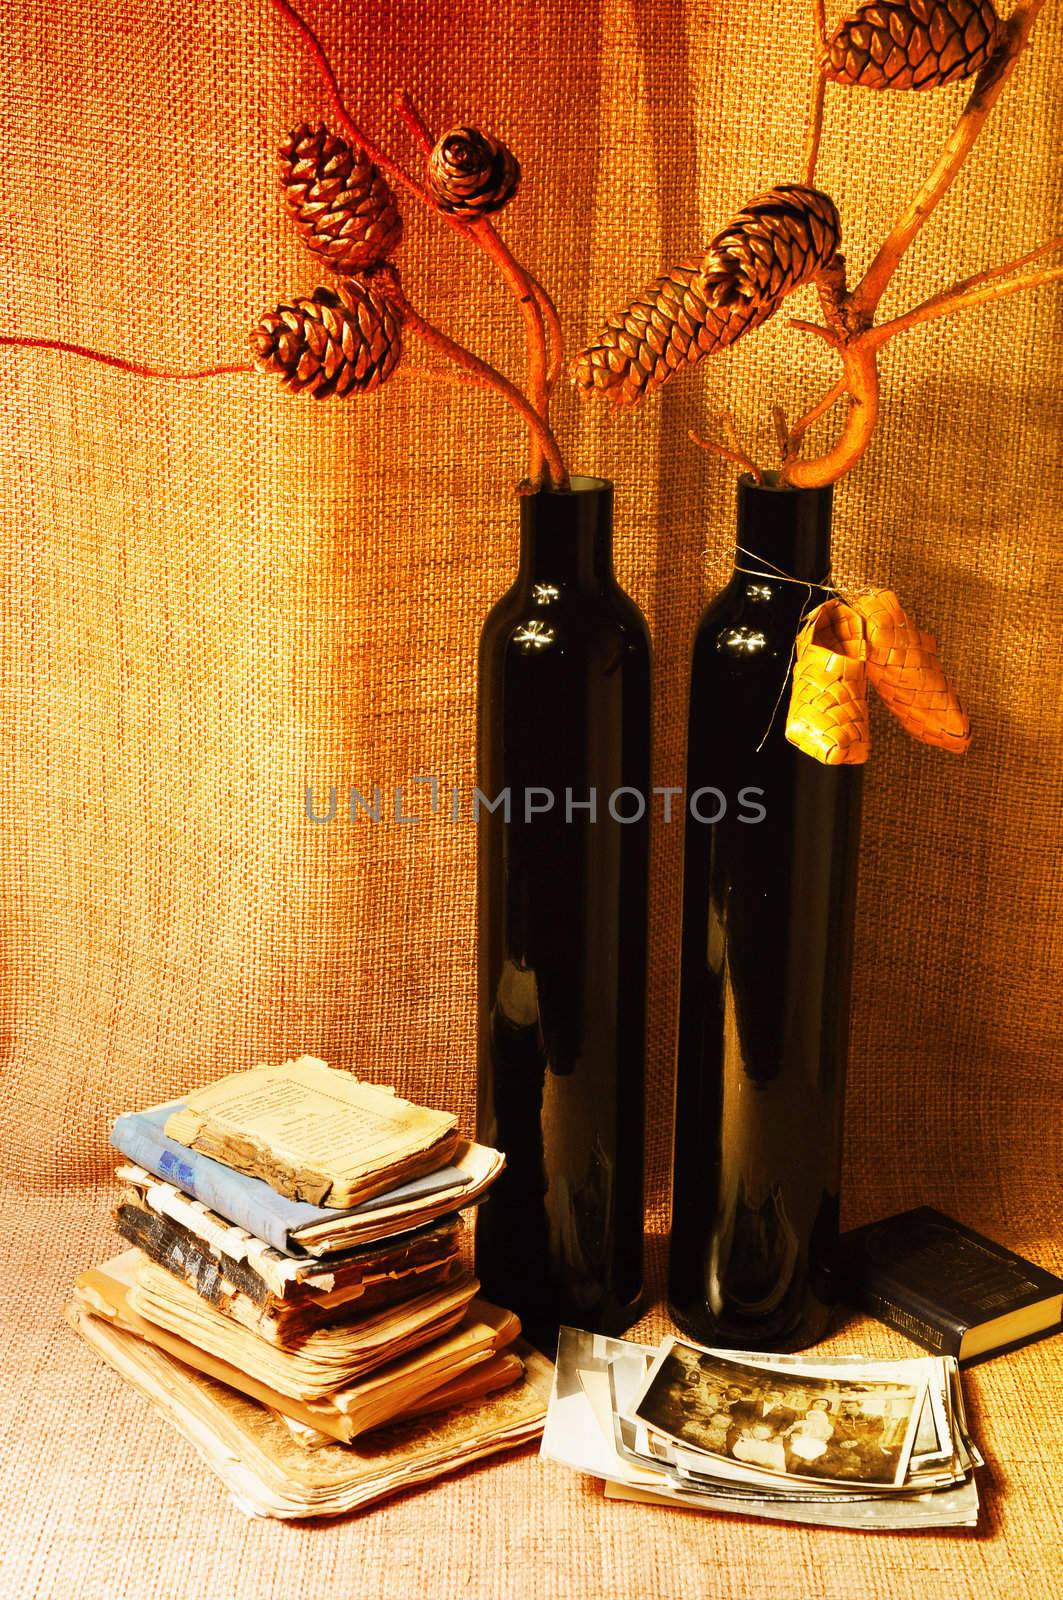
769,889
564,760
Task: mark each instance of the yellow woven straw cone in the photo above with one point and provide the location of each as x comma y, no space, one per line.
828,717
904,666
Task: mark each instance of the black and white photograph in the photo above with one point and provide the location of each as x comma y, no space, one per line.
789,1424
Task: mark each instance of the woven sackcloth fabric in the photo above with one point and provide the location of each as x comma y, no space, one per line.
216,594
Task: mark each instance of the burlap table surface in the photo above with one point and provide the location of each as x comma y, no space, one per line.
216,595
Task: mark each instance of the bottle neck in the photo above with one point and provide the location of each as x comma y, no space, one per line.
566,536
783,533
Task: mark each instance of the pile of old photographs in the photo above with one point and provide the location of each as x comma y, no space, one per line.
847,1443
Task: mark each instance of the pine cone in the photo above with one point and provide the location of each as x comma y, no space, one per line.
472,173
912,44
778,241
342,205
339,341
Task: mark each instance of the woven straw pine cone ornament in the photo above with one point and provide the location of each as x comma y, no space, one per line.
471,173
904,666
912,44
778,241
342,341
828,716
340,201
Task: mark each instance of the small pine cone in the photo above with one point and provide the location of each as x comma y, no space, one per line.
339,341
912,44
904,666
828,718
778,241
342,204
472,173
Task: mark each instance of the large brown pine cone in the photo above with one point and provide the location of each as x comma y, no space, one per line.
340,341
471,173
912,44
779,240
342,205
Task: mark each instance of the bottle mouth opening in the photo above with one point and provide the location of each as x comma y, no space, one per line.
578,485
771,484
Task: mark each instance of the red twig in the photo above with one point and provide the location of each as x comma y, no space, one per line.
139,369
414,122
484,376
314,47
553,331
479,229
731,452
519,282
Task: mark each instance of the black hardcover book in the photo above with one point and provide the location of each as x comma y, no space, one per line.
948,1288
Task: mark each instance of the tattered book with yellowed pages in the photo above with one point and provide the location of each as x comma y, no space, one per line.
314,1132
287,1468
398,1387
278,1296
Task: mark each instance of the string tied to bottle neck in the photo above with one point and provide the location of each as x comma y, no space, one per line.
779,575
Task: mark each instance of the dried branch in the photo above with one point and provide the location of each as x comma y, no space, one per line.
139,369
982,288
814,131
414,122
728,452
406,372
520,286
825,334
478,229
516,279
730,431
553,332
851,316
482,375
813,414
1049,248
832,289
782,432
316,51
987,89
860,377
819,23
861,383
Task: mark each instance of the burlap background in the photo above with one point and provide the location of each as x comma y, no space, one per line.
216,595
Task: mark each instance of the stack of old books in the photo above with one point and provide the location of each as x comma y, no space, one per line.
842,1443
295,1299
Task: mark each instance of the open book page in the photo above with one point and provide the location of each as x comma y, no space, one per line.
313,1132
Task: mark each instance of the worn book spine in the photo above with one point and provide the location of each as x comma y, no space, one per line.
204,1179
237,1289
898,1308
215,1278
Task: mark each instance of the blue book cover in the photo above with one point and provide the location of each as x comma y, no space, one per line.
248,1202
